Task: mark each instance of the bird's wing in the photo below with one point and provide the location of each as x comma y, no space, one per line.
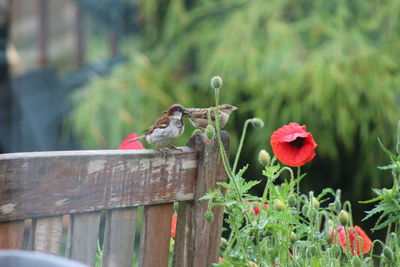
161,123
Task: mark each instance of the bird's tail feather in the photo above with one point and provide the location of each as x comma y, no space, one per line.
137,138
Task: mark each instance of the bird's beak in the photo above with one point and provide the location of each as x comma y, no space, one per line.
185,112
234,108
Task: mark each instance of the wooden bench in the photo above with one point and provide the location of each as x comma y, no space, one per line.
42,187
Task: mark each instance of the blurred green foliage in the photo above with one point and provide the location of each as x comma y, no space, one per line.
332,65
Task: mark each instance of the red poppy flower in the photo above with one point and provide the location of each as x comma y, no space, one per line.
360,243
292,145
130,145
256,207
173,225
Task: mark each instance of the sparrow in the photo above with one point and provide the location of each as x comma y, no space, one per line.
198,117
166,129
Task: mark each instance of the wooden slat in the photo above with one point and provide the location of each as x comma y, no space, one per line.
11,234
50,183
183,238
155,237
206,236
47,234
83,234
119,237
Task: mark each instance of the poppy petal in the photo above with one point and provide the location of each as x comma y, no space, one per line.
292,145
131,145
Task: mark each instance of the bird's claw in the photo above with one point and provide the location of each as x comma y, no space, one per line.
174,147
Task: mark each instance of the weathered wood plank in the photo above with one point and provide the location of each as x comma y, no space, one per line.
50,183
183,238
206,236
83,234
119,237
11,234
155,236
47,234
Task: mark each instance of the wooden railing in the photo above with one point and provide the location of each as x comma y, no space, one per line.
44,186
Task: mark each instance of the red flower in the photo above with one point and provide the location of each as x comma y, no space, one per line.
256,207
292,145
131,145
173,225
360,243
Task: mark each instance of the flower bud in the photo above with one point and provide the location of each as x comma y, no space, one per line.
312,213
223,243
279,206
252,264
196,131
264,158
311,251
257,123
210,132
291,200
338,205
304,210
356,262
216,82
388,253
315,203
335,251
209,216
331,206
293,237
343,217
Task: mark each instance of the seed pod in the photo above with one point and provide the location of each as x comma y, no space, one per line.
210,132
257,123
264,158
343,217
216,82
209,216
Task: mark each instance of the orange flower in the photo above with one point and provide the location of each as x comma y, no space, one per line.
360,243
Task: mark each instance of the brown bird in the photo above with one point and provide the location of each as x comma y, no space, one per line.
199,116
166,129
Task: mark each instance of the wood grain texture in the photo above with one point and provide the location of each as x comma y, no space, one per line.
183,238
155,237
206,236
47,234
119,237
12,234
50,183
83,234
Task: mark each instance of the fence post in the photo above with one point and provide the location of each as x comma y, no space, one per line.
206,236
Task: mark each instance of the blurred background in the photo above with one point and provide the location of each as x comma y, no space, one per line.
83,74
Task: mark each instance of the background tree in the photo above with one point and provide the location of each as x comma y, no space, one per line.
332,65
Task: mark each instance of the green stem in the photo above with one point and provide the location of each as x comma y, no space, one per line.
272,178
240,145
224,156
298,188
